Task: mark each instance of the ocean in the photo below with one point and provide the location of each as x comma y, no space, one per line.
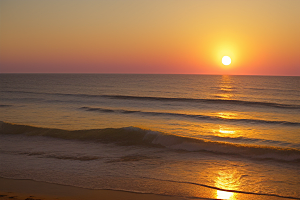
191,136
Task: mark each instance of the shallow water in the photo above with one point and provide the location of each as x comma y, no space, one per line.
163,134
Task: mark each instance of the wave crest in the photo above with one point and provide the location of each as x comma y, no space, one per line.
199,117
141,137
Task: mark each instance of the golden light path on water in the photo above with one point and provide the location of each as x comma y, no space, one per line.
224,194
227,179
223,178
226,88
224,131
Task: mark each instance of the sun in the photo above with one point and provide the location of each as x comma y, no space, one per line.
226,60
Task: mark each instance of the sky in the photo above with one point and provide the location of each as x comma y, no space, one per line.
262,37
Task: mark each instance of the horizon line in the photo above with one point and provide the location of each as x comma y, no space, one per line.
146,74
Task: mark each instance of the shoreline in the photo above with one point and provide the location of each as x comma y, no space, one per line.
24,189
34,190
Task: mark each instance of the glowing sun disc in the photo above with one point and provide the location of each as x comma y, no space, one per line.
226,60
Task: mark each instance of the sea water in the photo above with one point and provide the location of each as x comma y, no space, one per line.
193,136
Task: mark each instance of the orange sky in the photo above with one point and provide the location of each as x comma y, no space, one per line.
169,36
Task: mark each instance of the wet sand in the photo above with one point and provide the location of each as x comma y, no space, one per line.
11,189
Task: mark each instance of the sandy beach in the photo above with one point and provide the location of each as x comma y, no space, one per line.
33,190
11,189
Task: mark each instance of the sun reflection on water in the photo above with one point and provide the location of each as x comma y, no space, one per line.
227,179
224,131
223,194
226,88
227,115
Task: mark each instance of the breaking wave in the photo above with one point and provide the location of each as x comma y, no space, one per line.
148,138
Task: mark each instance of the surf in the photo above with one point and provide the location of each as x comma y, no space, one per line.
129,136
